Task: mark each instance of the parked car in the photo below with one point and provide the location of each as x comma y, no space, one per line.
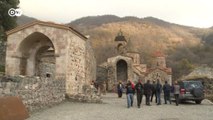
191,90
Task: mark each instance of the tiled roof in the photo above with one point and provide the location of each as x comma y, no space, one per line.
50,24
158,54
167,70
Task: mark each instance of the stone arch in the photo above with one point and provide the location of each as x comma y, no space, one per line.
28,50
122,70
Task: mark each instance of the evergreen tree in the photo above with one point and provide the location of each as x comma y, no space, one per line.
6,21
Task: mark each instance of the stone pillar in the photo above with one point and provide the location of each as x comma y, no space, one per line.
12,66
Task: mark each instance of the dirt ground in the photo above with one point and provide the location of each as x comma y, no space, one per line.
115,108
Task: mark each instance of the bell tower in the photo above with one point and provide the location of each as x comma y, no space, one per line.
121,43
159,60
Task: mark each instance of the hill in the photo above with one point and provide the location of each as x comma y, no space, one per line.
24,19
146,34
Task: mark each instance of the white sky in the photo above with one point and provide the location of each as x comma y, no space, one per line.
197,13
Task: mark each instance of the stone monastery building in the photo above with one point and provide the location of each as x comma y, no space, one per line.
47,49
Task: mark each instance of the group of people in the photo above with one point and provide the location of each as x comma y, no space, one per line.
149,90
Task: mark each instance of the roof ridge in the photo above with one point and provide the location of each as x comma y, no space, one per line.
51,24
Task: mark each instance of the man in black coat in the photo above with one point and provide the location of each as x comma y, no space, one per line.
167,91
154,91
139,89
158,92
147,91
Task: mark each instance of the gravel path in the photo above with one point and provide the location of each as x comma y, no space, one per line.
114,108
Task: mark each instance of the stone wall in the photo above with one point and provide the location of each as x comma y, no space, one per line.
90,63
75,73
36,93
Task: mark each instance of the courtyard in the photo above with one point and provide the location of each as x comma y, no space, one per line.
114,108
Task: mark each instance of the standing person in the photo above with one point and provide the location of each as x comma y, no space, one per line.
176,92
154,91
139,89
167,91
104,88
147,92
158,92
92,85
129,94
120,89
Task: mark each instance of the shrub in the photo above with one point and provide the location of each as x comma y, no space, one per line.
2,68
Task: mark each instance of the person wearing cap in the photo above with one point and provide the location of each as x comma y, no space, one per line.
139,89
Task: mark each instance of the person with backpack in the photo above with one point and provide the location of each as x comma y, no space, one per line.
120,89
167,91
139,90
158,92
130,93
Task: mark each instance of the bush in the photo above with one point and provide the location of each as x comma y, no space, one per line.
2,68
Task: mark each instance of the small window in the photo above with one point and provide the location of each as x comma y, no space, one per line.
48,75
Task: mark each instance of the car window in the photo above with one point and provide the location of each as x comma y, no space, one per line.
192,84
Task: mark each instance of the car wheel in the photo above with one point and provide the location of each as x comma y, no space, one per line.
198,101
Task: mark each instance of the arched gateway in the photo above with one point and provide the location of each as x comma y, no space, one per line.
122,69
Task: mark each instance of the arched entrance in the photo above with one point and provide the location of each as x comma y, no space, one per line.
122,69
37,55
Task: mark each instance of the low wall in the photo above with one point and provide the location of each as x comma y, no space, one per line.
36,93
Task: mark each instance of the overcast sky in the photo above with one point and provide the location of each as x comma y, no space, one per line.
197,13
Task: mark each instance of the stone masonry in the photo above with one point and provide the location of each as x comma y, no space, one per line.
36,93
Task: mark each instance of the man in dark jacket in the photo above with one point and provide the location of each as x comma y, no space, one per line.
158,92
167,91
154,91
139,89
147,91
130,93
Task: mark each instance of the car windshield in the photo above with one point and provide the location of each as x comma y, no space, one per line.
192,84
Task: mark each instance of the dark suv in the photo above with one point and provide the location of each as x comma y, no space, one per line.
191,90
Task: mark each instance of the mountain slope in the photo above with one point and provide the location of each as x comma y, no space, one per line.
146,35
24,19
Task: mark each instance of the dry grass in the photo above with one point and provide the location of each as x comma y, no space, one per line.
210,97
